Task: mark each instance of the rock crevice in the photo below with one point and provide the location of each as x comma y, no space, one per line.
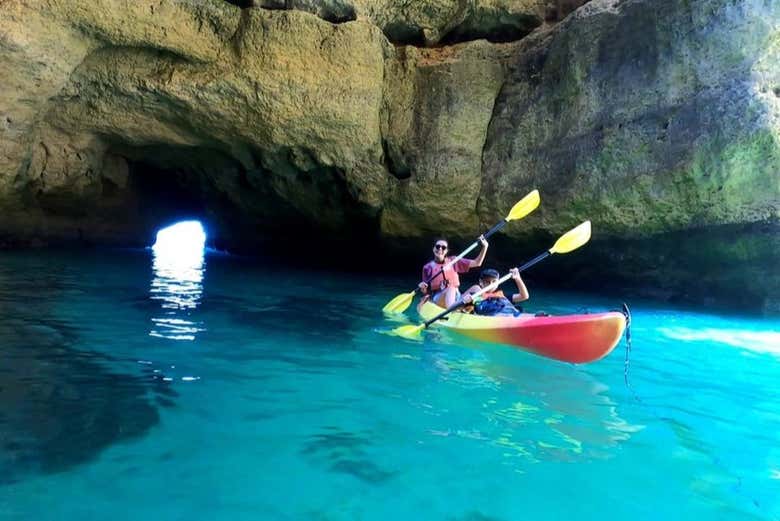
433,22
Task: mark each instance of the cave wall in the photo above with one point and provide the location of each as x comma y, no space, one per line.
392,121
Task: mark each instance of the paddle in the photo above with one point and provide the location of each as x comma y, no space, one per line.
569,241
526,205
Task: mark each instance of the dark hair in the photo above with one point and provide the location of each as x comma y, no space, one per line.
437,239
489,273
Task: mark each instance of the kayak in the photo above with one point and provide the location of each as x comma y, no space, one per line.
570,338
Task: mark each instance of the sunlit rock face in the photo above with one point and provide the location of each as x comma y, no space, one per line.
653,116
391,121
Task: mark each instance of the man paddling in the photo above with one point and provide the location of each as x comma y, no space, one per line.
442,286
494,302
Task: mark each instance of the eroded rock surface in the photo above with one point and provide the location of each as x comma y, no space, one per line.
430,22
393,120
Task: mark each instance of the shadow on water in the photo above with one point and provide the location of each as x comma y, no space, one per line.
59,405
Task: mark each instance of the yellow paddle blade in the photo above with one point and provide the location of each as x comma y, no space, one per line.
572,239
399,304
526,205
410,332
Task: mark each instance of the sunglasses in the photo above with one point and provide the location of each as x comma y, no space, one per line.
440,247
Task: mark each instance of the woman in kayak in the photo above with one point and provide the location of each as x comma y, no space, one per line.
495,302
442,288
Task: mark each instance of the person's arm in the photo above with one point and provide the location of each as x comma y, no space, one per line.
466,296
522,291
477,262
426,273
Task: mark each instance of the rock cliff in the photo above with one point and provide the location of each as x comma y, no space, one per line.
390,121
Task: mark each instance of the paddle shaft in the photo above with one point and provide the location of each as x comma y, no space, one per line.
533,261
490,287
468,250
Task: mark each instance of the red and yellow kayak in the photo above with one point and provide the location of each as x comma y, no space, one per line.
571,338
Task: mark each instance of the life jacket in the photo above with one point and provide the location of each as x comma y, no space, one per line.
492,294
494,303
449,278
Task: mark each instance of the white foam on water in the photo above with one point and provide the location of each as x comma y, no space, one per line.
757,341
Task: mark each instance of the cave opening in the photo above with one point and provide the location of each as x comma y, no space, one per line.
251,207
179,264
182,239
171,195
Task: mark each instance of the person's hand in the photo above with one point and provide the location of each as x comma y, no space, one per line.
515,274
466,299
423,287
482,241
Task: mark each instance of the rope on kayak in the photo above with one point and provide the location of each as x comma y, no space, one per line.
627,362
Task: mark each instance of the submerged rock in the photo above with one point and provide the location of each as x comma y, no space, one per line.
393,120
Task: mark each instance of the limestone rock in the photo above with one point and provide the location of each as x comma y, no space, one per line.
439,105
652,118
336,11
288,103
500,20
42,42
429,22
644,116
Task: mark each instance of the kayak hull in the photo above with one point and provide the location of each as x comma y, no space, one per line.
570,338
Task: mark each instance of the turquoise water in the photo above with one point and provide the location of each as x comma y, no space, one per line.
133,388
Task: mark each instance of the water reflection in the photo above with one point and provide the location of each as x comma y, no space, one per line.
178,282
539,411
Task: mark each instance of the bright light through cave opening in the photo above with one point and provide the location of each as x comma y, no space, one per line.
183,239
179,265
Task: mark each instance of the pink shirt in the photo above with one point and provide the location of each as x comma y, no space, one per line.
450,274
